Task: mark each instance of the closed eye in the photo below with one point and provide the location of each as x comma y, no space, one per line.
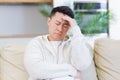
57,23
66,25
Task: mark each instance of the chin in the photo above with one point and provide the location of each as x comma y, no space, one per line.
57,39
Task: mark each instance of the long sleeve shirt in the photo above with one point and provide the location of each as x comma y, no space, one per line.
41,61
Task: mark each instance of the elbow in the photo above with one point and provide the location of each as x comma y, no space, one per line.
82,65
86,64
35,72
32,69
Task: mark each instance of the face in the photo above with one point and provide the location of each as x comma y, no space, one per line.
57,27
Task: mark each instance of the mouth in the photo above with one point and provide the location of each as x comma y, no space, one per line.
58,34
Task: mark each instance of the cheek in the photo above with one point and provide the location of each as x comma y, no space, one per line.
66,30
51,28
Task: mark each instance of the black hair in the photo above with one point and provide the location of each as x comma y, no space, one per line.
62,9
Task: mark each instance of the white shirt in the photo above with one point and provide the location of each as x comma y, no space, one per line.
55,45
41,60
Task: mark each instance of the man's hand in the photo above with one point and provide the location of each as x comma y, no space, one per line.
78,76
72,22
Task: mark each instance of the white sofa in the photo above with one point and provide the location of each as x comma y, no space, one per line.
106,55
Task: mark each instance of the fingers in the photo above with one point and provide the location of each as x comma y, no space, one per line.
67,18
71,21
78,76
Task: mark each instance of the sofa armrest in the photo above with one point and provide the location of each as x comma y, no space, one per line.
12,63
107,58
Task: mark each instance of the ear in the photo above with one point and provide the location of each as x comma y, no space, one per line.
48,21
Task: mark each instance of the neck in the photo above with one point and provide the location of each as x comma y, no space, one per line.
51,39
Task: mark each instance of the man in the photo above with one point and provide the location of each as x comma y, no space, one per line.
57,56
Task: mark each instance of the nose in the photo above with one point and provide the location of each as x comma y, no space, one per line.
59,28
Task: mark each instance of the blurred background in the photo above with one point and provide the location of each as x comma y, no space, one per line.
25,19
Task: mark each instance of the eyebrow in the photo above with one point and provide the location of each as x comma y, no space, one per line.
58,21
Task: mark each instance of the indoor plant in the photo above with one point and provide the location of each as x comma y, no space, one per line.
99,23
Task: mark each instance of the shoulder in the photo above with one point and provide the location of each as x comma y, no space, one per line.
38,40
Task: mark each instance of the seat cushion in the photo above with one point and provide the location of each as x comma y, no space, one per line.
107,58
12,67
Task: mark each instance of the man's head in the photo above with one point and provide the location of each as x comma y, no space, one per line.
58,27
62,9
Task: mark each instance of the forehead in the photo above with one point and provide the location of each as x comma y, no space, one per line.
58,14
58,17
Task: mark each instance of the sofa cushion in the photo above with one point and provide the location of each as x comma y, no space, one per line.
12,67
107,58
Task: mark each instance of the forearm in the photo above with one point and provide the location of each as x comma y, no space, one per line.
80,55
75,30
64,78
38,68
48,71
77,77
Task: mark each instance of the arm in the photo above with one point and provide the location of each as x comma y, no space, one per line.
39,69
80,55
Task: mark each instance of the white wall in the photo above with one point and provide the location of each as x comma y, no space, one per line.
21,19
115,23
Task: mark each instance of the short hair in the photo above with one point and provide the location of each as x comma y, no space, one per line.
62,9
